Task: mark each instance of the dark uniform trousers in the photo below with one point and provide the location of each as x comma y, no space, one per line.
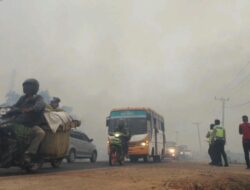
211,152
220,151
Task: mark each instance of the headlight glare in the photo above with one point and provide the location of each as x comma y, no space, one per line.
171,150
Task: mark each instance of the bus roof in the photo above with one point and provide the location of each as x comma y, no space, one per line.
149,110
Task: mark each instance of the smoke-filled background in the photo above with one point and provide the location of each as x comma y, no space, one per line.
173,56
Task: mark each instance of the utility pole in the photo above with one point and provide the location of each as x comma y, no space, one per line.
176,137
223,100
198,131
12,79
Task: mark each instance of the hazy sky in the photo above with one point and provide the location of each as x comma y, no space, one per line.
173,56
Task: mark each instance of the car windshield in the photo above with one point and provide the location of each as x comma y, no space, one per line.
135,126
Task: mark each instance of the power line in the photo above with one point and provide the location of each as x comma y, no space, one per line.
241,82
239,105
238,74
226,86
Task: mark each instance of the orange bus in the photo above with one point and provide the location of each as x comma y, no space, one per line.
147,131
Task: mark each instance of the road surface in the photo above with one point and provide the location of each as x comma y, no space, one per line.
140,176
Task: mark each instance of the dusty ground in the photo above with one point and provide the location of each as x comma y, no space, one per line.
174,176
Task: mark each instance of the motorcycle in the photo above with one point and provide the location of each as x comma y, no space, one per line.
15,139
116,152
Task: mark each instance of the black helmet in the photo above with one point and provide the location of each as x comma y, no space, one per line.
30,86
217,122
56,100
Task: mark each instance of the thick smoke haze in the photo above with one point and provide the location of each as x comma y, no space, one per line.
172,56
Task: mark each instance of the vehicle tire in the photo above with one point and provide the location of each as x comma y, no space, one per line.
72,156
112,158
93,157
33,167
121,159
146,158
156,158
121,162
56,163
133,159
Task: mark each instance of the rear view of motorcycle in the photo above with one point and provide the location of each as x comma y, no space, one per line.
15,139
116,152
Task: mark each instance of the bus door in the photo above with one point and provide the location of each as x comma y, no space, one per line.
156,139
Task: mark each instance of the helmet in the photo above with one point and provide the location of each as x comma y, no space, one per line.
56,100
30,86
217,122
121,125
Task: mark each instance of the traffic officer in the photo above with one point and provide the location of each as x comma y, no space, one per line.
219,138
211,144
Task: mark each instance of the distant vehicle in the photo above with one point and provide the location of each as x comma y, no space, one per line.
171,151
184,153
147,131
81,147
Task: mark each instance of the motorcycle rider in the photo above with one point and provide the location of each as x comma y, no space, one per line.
29,112
124,136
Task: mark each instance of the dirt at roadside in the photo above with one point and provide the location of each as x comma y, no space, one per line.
162,176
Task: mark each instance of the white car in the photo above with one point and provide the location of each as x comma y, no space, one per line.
81,146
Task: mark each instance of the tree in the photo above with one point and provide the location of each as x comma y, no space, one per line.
67,109
46,96
11,97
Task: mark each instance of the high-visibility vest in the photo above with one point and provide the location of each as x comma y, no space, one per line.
210,137
219,132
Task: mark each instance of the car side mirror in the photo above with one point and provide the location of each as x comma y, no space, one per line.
90,140
107,121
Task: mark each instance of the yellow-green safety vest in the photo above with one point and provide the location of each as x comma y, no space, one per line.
220,132
210,137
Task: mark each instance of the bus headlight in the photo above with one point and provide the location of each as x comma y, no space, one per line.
143,144
171,150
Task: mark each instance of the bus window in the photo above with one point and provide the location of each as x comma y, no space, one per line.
133,125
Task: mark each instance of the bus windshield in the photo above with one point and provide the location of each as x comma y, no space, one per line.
135,126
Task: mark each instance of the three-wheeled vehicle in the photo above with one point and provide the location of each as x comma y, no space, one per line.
15,139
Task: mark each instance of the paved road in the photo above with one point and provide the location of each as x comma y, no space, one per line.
48,169
79,165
